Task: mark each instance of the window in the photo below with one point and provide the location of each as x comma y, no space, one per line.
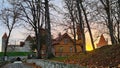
61,49
65,41
71,49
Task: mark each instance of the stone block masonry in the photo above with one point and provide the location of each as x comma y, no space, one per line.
51,64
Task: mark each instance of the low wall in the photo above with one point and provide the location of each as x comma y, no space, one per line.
12,58
51,64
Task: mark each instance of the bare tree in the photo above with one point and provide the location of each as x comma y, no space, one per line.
10,18
48,30
75,15
118,29
81,25
88,26
107,8
71,12
33,14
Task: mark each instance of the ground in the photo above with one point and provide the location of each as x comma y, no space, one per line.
104,57
107,56
19,65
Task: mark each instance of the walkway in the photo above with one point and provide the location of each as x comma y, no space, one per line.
17,65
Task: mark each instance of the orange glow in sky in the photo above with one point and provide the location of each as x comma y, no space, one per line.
89,47
88,43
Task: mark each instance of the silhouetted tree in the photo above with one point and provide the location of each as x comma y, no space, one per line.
107,8
32,12
118,29
48,30
71,12
81,24
10,18
88,26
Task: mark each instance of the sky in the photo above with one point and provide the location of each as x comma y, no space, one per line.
19,34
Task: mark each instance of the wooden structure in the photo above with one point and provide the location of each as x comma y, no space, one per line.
64,46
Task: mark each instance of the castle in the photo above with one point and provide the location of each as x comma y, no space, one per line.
23,47
63,45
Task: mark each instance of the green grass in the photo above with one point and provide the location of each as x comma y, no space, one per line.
15,53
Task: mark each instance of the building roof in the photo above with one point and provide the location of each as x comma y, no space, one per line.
102,41
29,38
22,44
4,36
59,38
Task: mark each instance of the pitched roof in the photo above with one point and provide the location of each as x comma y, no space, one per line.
102,41
58,39
28,38
4,36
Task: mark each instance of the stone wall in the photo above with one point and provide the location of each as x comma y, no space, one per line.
51,64
13,58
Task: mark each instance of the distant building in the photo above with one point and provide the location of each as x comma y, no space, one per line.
102,42
23,47
4,39
63,45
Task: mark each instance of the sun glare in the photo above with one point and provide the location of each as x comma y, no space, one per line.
89,48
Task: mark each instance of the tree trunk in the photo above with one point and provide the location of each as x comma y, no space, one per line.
74,33
88,26
81,26
72,18
110,23
48,29
118,27
74,37
6,44
39,43
106,5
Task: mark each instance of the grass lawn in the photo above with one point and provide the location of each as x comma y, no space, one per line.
15,53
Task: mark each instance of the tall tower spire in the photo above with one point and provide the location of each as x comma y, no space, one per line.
4,36
102,41
4,39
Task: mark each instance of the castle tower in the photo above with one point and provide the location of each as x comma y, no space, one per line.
102,42
4,39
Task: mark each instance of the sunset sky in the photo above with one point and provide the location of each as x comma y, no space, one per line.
19,34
